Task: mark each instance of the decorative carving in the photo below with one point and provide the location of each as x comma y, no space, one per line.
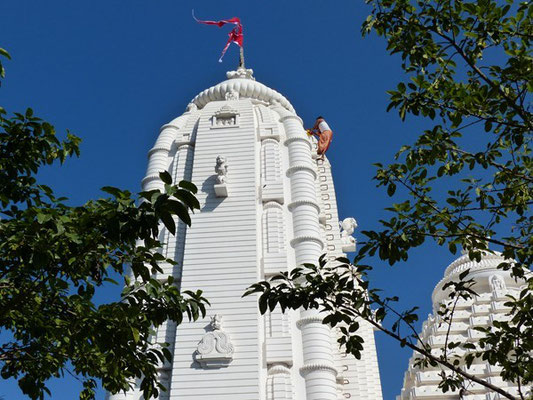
215,349
232,95
272,184
348,226
191,107
318,367
226,116
314,319
279,385
221,168
300,239
242,73
226,111
497,283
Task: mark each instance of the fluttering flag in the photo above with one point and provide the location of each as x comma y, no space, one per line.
235,36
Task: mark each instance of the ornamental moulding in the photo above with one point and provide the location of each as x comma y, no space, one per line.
150,178
279,369
226,116
300,239
309,320
181,142
158,148
241,73
246,88
298,139
319,367
295,168
272,204
297,203
291,116
169,126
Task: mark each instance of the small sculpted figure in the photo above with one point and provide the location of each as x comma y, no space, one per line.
216,322
221,168
348,226
497,282
232,95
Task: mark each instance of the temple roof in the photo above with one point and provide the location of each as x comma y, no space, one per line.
243,83
489,262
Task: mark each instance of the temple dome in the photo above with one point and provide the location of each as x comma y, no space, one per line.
485,267
241,84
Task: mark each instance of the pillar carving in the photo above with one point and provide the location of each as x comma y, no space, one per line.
318,365
158,158
274,252
279,385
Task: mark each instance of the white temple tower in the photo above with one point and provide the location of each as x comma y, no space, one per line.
268,207
492,285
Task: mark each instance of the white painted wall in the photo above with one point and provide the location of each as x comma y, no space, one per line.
268,222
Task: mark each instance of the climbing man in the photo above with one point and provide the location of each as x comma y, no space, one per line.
322,130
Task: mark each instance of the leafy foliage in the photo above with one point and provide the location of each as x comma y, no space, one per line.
54,257
464,182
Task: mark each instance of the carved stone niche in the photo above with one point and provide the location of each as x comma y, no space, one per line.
215,350
225,117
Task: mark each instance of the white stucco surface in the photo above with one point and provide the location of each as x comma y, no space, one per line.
267,205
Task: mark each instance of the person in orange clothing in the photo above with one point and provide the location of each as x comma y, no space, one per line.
322,130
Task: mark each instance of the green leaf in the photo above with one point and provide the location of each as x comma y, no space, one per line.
177,208
168,221
4,53
191,187
165,177
135,333
391,189
112,190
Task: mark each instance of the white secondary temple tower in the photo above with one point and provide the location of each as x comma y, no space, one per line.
267,205
492,285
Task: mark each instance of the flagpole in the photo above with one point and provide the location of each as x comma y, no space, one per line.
241,58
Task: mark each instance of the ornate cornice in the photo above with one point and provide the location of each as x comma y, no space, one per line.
272,204
298,139
309,320
169,126
155,149
318,367
279,369
294,168
488,261
149,178
297,203
291,116
182,143
245,87
300,239
270,139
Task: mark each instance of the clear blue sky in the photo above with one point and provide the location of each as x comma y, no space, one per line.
113,72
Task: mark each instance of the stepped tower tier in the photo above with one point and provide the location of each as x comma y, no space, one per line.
267,205
492,285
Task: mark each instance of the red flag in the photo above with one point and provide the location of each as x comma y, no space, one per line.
235,35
